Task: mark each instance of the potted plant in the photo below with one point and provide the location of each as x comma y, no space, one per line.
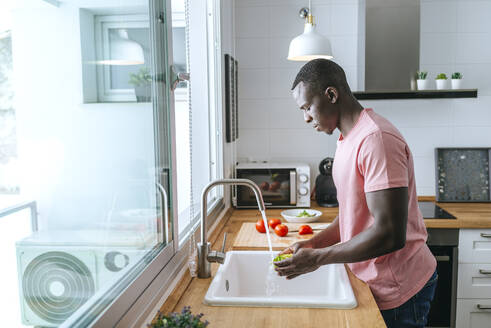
185,319
441,81
421,80
142,81
457,80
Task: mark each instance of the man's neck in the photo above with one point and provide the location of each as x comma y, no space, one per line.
349,116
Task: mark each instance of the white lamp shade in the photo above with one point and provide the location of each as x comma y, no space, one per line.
124,51
309,45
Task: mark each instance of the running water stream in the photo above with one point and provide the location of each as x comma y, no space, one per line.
265,220
271,286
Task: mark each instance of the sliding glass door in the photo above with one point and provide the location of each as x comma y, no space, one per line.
92,102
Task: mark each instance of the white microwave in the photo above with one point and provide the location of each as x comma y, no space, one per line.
282,185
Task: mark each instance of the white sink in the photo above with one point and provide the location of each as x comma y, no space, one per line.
241,281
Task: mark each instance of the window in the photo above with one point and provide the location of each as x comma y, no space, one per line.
104,171
198,133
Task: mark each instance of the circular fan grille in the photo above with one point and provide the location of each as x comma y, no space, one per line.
55,284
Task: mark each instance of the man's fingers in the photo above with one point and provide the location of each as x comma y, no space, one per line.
293,276
285,271
284,263
288,250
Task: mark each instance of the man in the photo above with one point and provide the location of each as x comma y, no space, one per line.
379,231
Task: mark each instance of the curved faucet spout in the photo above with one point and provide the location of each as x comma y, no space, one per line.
238,182
203,247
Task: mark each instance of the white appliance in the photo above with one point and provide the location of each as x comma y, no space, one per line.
60,270
282,184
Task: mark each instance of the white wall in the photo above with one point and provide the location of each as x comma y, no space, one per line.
455,36
271,127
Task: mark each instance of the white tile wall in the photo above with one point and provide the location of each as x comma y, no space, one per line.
474,16
253,83
281,82
284,114
253,52
298,142
344,19
253,143
455,36
438,16
252,22
437,48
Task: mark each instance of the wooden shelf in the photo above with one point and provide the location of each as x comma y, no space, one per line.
415,94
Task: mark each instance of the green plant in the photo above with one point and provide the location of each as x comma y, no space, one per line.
421,75
143,77
441,76
457,76
185,319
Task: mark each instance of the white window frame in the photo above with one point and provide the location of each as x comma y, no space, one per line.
102,26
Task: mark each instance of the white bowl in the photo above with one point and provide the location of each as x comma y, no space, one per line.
291,215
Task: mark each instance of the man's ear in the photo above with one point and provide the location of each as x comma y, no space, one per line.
333,94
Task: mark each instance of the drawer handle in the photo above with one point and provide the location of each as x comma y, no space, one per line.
485,235
442,258
483,307
481,271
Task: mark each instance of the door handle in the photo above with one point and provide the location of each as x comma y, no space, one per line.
165,203
177,77
485,235
483,307
482,271
442,258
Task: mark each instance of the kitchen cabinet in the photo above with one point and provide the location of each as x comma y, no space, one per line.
474,278
470,316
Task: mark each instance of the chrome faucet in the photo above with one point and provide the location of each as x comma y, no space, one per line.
205,255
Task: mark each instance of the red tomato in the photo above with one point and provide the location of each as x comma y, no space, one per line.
260,226
274,186
264,186
305,230
273,223
281,230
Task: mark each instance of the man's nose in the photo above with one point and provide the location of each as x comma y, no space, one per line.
307,117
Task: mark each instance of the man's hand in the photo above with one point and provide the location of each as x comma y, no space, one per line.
304,260
293,248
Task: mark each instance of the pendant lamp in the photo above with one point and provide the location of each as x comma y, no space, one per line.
309,45
123,51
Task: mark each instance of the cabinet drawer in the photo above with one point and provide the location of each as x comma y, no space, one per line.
474,313
475,246
474,281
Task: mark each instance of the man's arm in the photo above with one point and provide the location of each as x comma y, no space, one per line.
387,234
328,236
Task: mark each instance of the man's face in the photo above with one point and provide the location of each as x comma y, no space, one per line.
317,108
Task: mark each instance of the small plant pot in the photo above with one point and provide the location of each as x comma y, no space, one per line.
143,93
441,84
423,84
456,83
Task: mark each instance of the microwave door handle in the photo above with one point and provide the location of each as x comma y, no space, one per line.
293,187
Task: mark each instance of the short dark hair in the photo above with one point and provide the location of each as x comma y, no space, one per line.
320,74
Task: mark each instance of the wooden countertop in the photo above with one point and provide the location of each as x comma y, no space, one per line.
468,215
191,291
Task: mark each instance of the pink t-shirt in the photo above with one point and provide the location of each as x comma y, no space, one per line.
375,156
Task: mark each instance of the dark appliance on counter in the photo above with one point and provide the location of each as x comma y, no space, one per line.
325,190
443,244
463,174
